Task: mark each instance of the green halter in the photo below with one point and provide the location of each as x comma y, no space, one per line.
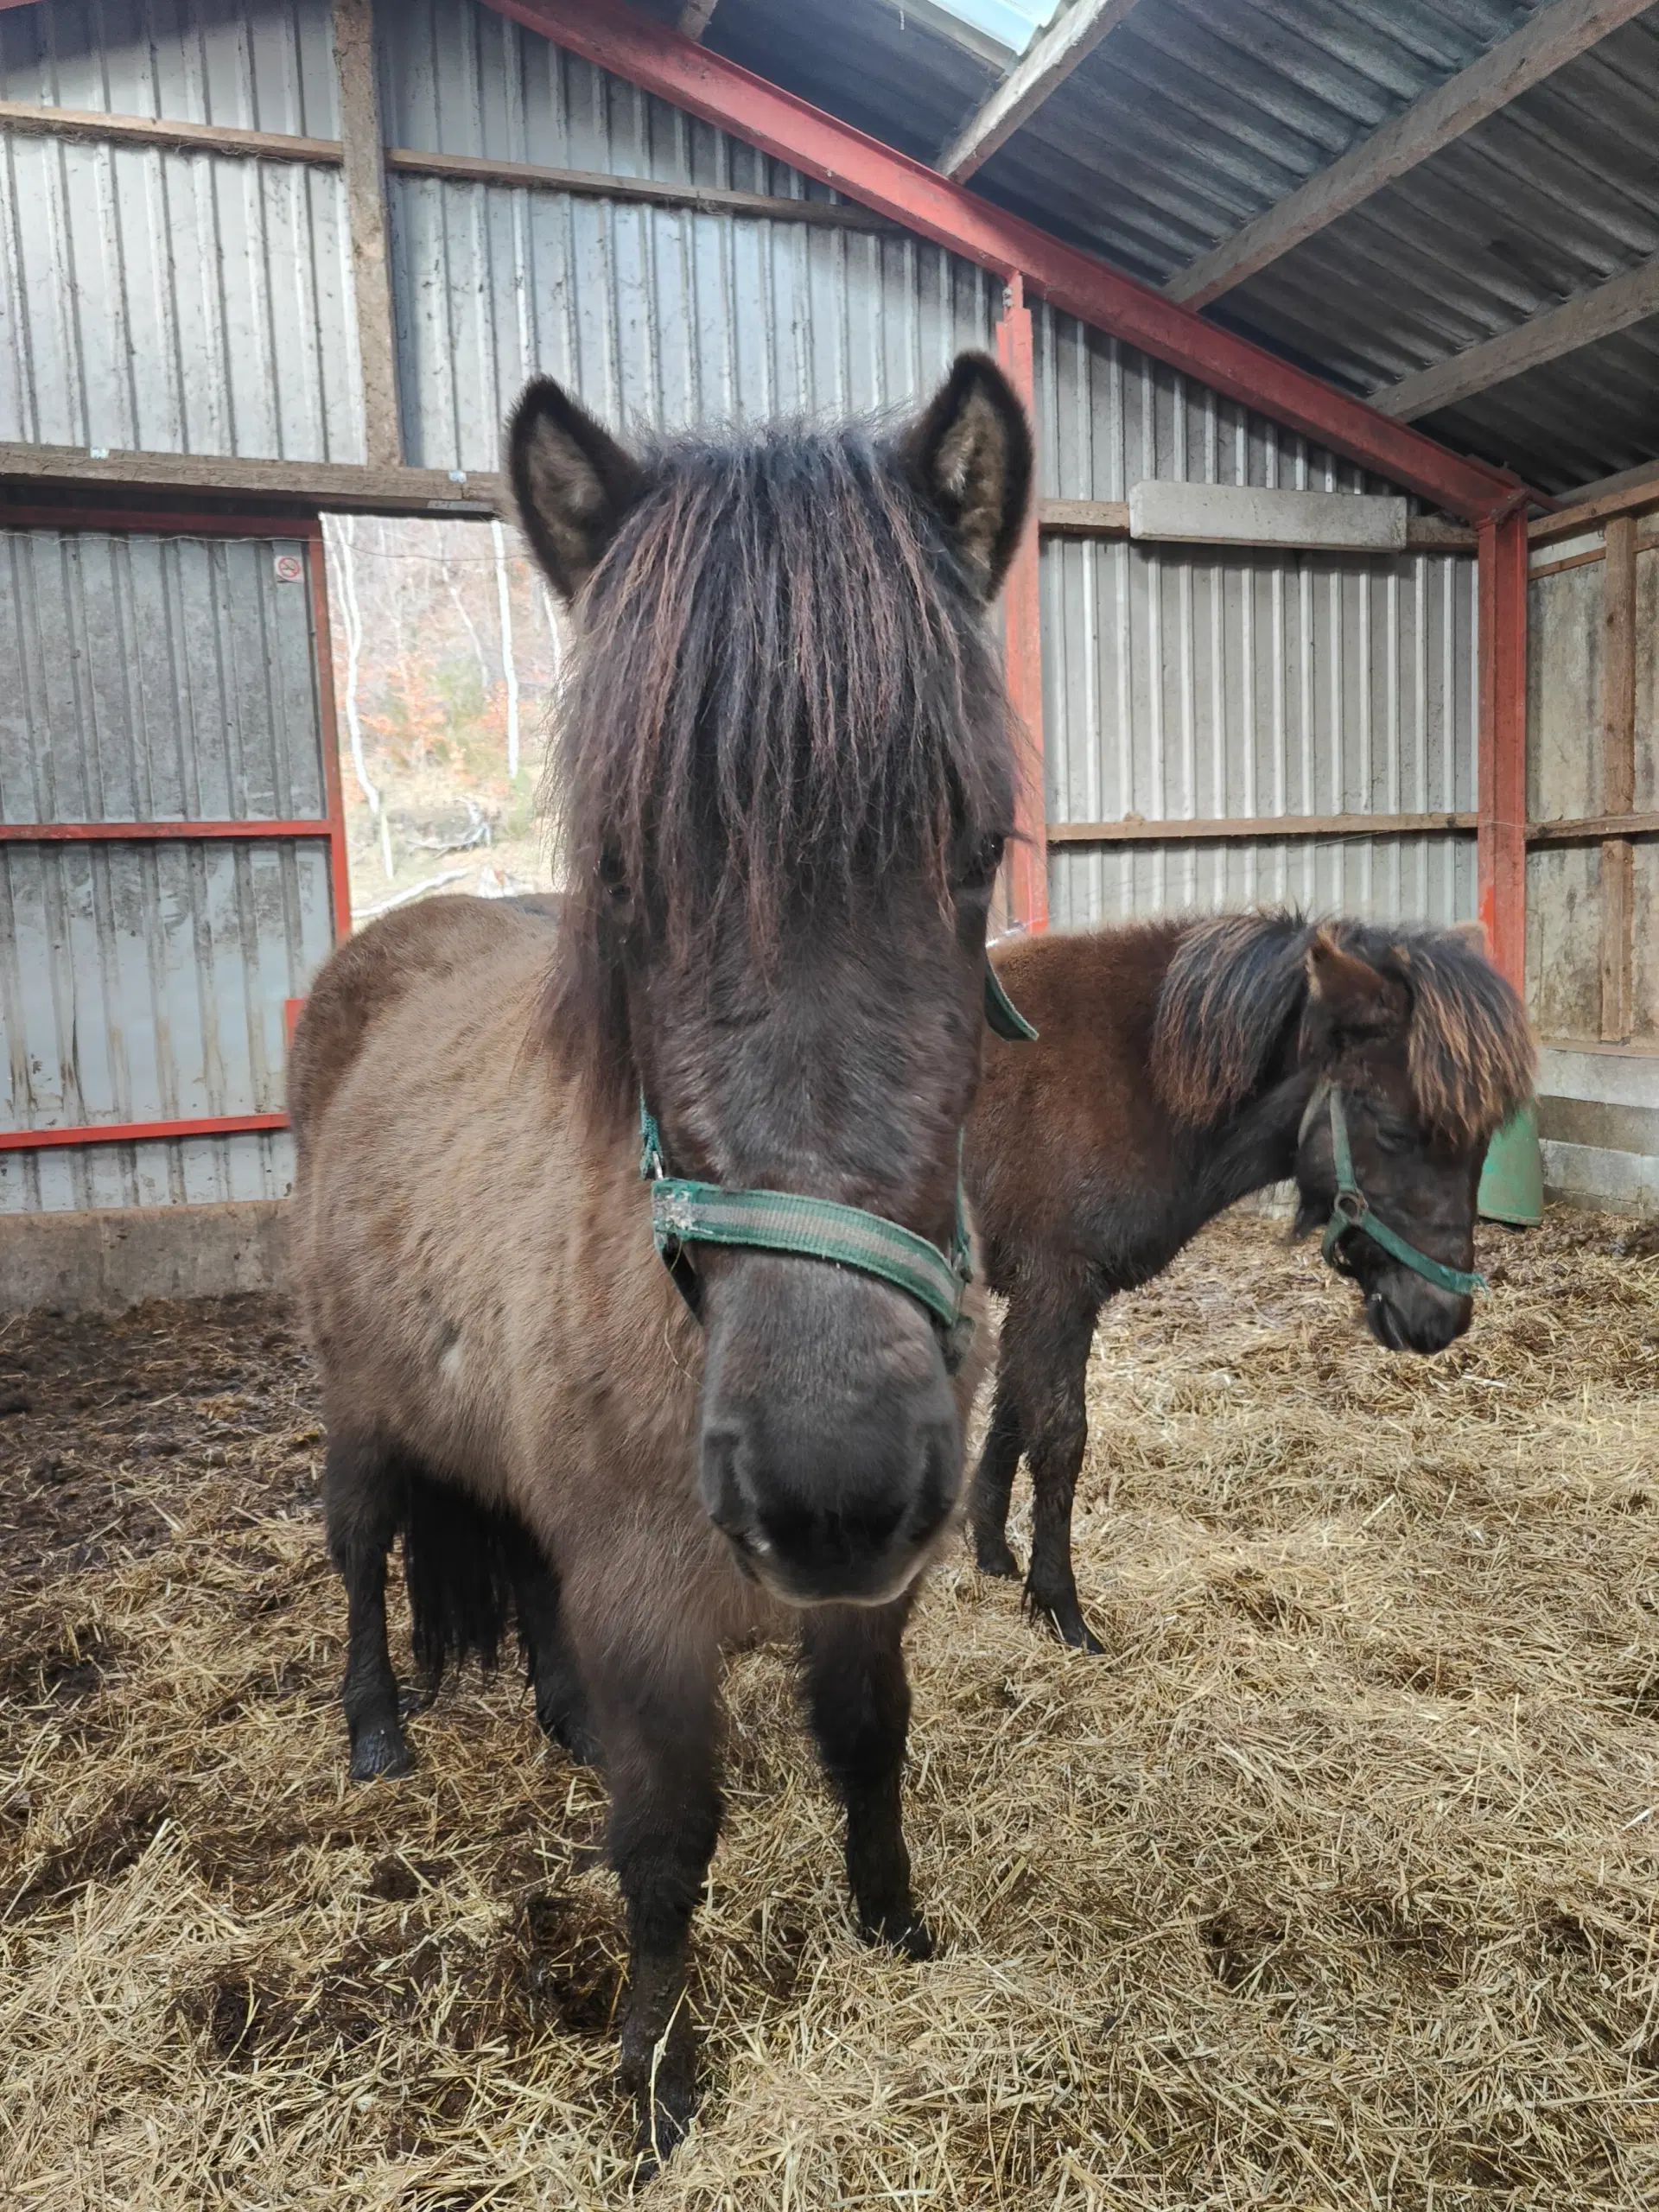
1351,1209
684,1213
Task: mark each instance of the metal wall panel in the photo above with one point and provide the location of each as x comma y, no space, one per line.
153,677
166,301
1182,682
660,317
174,302
266,67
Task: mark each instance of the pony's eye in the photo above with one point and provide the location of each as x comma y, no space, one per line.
980,870
1394,1136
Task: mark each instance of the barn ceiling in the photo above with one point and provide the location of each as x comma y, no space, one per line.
1449,207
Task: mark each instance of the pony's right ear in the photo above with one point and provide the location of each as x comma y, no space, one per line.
969,455
571,481
1357,999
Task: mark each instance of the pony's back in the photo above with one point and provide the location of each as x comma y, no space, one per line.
375,970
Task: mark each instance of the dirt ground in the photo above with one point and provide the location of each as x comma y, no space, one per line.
1334,1884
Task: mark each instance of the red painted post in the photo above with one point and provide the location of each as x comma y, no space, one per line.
1022,650
1501,762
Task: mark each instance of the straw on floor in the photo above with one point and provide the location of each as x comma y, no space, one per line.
1335,1884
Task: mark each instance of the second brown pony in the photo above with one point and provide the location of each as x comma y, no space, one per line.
785,765
1172,1074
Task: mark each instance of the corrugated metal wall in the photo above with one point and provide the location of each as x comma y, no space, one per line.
659,316
171,301
183,301
1179,682
148,678
1175,684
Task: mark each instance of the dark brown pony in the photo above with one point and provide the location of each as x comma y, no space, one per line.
1172,1075
785,769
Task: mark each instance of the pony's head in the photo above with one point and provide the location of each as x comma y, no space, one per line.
1429,1050
1426,1046
784,775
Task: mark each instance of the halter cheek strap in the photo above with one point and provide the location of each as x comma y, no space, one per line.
684,1213
1351,1209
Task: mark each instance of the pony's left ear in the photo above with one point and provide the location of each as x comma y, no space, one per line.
1357,999
572,483
969,456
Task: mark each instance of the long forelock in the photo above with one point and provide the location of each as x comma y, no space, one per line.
780,689
1469,1056
1230,990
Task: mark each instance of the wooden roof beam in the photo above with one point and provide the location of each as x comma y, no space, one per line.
1046,63
1588,316
1557,33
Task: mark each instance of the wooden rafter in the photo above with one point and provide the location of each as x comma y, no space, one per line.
1559,32
694,17
1048,61
1588,316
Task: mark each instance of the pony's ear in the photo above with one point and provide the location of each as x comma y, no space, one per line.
571,481
969,456
1473,934
1356,999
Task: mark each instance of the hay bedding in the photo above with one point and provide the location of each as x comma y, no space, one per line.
1333,1885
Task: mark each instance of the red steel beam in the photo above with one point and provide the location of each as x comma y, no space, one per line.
185,833
203,1125
1501,757
1022,651
659,61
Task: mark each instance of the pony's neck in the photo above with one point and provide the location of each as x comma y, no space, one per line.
1256,1146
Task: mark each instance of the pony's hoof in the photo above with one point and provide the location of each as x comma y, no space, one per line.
993,1556
907,1934
663,2102
380,1754
1065,1618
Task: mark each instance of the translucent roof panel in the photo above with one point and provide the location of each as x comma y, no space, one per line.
1015,22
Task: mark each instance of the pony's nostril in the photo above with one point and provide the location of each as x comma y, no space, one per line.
723,1490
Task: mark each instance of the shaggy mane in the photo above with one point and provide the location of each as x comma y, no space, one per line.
1236,981
783,689
1235,984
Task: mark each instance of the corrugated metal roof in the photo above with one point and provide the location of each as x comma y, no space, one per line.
1193,116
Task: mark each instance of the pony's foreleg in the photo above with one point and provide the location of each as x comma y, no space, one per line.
1054,1361
859,1701
359,1510
655,1724
992,1486
554,1671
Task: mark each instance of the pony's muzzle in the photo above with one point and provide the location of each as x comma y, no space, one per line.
815,1537
1405,1313
830,1448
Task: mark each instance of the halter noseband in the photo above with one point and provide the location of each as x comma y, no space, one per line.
1350,1208
684,1213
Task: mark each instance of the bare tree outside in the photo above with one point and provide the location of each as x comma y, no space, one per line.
447,657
